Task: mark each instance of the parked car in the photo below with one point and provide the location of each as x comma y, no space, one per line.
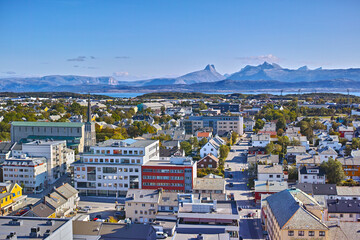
231,184
239,208
88,207
83,210
161,235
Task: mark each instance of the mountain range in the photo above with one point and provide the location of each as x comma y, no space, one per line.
265,76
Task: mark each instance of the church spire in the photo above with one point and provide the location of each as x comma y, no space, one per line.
89,110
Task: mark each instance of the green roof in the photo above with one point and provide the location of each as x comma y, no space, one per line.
67,138
46,124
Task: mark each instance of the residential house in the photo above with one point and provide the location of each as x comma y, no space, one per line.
327,190
343,210
348,192
256,151
171,144
293,151
166,154
260,140
351,167
41,210
209,161
346,132
291,214
264,159
63,200
202,134
331,141
307,160
270,173
311,174
11,197
212,147
209,184
326,153
141,205
249,124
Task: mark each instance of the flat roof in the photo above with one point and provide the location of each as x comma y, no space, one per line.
23,230
46,124
126,143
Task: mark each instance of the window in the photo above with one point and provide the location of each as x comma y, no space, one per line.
143,205
301,233
270,176
311,233
290,233
322,233
341,215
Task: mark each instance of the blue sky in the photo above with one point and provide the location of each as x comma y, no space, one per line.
143,39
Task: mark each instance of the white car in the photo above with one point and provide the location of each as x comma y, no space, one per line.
161,235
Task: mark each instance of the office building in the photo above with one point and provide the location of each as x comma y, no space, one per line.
175,175
113,166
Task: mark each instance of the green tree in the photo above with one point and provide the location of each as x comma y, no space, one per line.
333,171
281,123
224,151
203,141
234,137
186,146
259,124
293,173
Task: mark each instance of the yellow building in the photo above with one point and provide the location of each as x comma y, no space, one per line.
292,214
10,197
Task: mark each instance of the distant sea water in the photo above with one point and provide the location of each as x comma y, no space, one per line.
135,94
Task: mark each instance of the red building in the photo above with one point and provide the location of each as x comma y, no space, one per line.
176,175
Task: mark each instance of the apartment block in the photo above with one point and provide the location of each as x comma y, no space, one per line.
220,124
28,172
58,156
113,166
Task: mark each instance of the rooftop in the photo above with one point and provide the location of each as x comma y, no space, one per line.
142,195
209,184
25,224
112,230
126,143
266,169
343,206
270,186
46,124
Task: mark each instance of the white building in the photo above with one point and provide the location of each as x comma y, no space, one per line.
31,173
331,141
212,147
58,157
260,140
311,174
326,153
114,166
270,173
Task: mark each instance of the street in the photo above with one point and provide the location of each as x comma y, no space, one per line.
250,227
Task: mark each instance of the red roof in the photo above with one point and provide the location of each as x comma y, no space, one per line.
203,134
